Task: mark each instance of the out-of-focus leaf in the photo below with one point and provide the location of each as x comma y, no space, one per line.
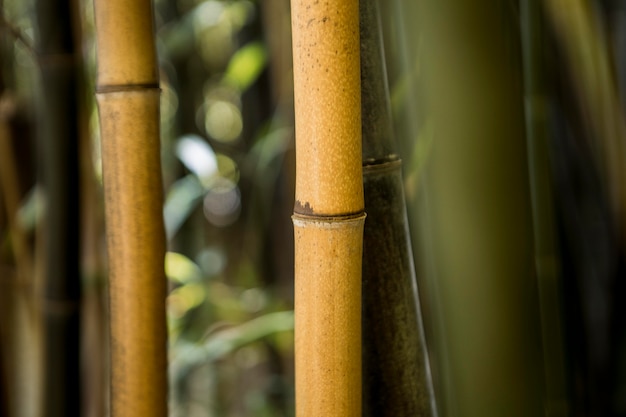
181,269
211,260
223,121
183,197
207,14
239,13
198,157
176,40
246,65
32,210
418,158
184,298
226,341
272,144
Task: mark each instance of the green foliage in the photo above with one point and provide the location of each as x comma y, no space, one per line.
246,65
227,317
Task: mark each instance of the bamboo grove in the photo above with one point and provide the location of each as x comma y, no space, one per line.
312,208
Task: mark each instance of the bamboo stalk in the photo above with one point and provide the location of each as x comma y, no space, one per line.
581,38
479,221
547,259
328,213
128,103
60,179
396,371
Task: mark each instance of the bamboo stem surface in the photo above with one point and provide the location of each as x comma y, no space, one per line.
396,371
128,102
328,213
328,107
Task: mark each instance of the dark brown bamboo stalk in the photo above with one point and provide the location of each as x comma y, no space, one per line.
59,176
396,373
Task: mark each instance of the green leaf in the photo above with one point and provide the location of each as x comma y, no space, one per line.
246,65
223,342
181,269
183,197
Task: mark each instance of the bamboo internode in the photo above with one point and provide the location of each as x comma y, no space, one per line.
329,212
126,50
132,186
328,317
128,103
328,107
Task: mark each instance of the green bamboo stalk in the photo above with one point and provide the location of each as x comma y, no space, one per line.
60,175
396,371
547,259
128,103
328,213
475,186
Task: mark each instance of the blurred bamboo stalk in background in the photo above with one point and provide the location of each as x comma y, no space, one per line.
128,102
60,178
20,323
479,222
581,37
328,213
547,258
396,371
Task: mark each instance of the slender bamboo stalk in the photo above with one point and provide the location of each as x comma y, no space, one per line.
328,213
396,371
547,260
60,175
128,103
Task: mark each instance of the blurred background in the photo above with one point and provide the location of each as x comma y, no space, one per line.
509,117
227,154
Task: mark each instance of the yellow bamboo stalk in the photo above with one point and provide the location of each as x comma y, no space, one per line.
329,209
128,103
